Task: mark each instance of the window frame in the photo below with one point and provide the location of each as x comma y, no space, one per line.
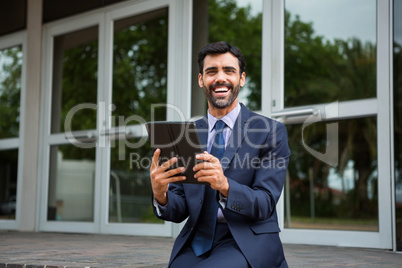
378,106
179,81
7,41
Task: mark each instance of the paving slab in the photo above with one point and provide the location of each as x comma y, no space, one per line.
62,250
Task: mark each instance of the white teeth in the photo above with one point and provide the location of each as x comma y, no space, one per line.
221,89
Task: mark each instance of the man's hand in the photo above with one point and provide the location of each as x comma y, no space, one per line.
160,178
211,171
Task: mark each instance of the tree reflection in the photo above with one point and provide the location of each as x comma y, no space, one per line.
321,71
10,91
398,138
238,26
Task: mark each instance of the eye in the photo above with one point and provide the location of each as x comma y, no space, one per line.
230,70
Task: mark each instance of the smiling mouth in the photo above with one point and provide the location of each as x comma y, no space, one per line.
221,89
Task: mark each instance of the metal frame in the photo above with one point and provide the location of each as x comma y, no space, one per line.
367,107
179,84
8,41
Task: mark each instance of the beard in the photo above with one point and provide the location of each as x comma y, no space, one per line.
222,102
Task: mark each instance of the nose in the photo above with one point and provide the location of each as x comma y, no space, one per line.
220,78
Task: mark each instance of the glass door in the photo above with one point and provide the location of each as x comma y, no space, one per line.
138,86
12,100
70,155
105,74
328,96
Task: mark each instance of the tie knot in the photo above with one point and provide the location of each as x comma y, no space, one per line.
219,126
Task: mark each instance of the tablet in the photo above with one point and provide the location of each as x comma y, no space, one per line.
176,139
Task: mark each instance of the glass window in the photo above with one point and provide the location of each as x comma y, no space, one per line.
75,67
8,183
130,187
320,196
140,67
71,184
330,51
398,119
10,91
238,22
10,98
139,80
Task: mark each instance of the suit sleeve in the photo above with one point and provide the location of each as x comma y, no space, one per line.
258,200
176,209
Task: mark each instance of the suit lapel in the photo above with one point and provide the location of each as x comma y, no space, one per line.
202,129
238,134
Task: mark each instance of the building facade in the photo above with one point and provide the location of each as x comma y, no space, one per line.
78,80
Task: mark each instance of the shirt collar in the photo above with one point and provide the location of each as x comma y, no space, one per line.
229,119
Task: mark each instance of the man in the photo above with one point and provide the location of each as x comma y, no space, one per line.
232,220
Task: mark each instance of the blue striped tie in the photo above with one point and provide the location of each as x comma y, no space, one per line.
204,236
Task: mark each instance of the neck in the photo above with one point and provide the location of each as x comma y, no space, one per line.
221,112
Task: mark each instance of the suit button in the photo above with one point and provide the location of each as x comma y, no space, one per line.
200,201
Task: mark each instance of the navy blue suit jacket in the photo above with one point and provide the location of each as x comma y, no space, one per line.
255,163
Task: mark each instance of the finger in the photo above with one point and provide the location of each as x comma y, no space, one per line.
173,172
208,179
206,165
168,163
207,172
175,179
155,159
207,157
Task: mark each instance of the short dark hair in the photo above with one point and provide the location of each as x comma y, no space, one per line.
221,47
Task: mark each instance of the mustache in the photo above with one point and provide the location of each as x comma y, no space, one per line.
228,85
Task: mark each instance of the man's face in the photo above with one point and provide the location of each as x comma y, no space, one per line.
221,79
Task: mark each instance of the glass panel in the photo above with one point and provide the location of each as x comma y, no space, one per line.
139,80
10,91
344,197
238,22
330,51
75,66
140,67
71,184
398,118
8,183
130,186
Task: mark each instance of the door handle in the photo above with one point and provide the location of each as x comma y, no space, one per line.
295,112
295,115
81,135
115,132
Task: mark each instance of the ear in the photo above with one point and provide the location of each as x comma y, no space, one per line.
242,79
200,82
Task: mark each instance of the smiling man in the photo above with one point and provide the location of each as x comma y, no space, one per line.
232,221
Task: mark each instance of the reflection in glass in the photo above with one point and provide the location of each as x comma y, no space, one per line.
75,66
398,119
8,183
71,184
10,91
130,186
344,197
330,55
238,22
140,68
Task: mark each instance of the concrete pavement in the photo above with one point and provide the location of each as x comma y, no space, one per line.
60,250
